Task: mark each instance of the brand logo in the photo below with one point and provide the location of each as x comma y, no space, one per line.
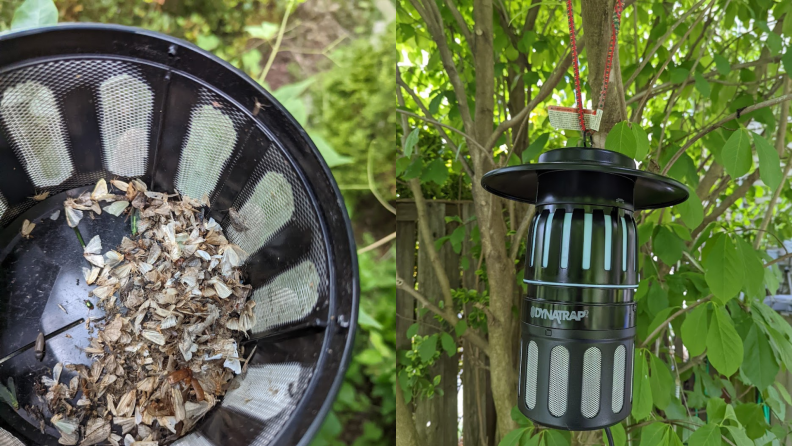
558,315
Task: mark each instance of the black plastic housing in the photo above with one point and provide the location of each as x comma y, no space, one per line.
581,271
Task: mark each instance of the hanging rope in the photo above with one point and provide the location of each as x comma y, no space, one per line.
615,26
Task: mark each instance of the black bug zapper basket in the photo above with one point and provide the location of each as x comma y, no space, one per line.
578,318
84,102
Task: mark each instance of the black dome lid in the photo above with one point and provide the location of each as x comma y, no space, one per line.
579,175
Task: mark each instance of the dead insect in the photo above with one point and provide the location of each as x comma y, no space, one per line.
88,304
257,108
180,375
41,196
237,221
68,335
61,306
40,346
27,228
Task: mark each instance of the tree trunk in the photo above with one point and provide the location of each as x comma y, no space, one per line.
597,19
405,429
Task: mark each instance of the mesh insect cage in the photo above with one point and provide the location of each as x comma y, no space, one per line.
82,102
578,318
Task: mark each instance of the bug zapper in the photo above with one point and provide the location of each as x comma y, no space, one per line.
81,102
578,317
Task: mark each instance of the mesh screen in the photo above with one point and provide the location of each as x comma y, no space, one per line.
211,138
592,368
125,109
270,206
617,394
36,126
559,380
288,298
3,206
6,439
531,368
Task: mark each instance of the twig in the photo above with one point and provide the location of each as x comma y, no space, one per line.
378,243
278,41
432,121
372,186
774,261
520,233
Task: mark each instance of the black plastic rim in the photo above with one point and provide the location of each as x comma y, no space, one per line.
36,45
520,183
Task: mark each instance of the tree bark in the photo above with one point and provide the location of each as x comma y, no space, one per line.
405,429
597,19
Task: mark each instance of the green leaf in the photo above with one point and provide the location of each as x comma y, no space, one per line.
35,13
774,43
678,75
707,435
722,65
331,157
661,382
654,434
449,345
759,364
667,245
716,410
366,321
436,172
738,433
769,164
694,330
555,438
414,169
642,392
736,154
723,269
410,142
751,416
460,328
621,139
427,348
535,148
691,211
264,31
702,85
9,397
641,142
645,231
724,346
781,345
208,42
754,269
619,435
521,419
512,438
784,393
775,403
786,59
401,164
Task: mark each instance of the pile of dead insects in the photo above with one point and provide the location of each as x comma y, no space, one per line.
176,311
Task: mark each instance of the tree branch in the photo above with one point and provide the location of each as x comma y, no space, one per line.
728,201
774,261
720,123
522,230
780,143
662,326
439,126
432,121
463,26
435,27
446,313
544,92
659,43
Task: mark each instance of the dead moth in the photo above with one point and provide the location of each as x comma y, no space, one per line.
27,228
176,313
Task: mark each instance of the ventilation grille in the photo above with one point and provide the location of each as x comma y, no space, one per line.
617,401
559,380
288,298
531,368
592,368
211,138
125,110
36,126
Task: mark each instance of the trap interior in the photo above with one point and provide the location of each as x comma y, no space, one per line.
82,102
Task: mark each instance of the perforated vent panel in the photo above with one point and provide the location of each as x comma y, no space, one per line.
271,206
531,367
559,380
125,105
35,122
592,369
617,401
210,141
288,298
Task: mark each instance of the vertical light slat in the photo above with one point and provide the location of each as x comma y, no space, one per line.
587,222
546,244
567,235
608,241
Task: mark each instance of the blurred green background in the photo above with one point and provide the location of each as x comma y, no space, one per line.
331,64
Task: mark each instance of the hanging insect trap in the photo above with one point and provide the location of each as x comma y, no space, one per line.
578,318
83,102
